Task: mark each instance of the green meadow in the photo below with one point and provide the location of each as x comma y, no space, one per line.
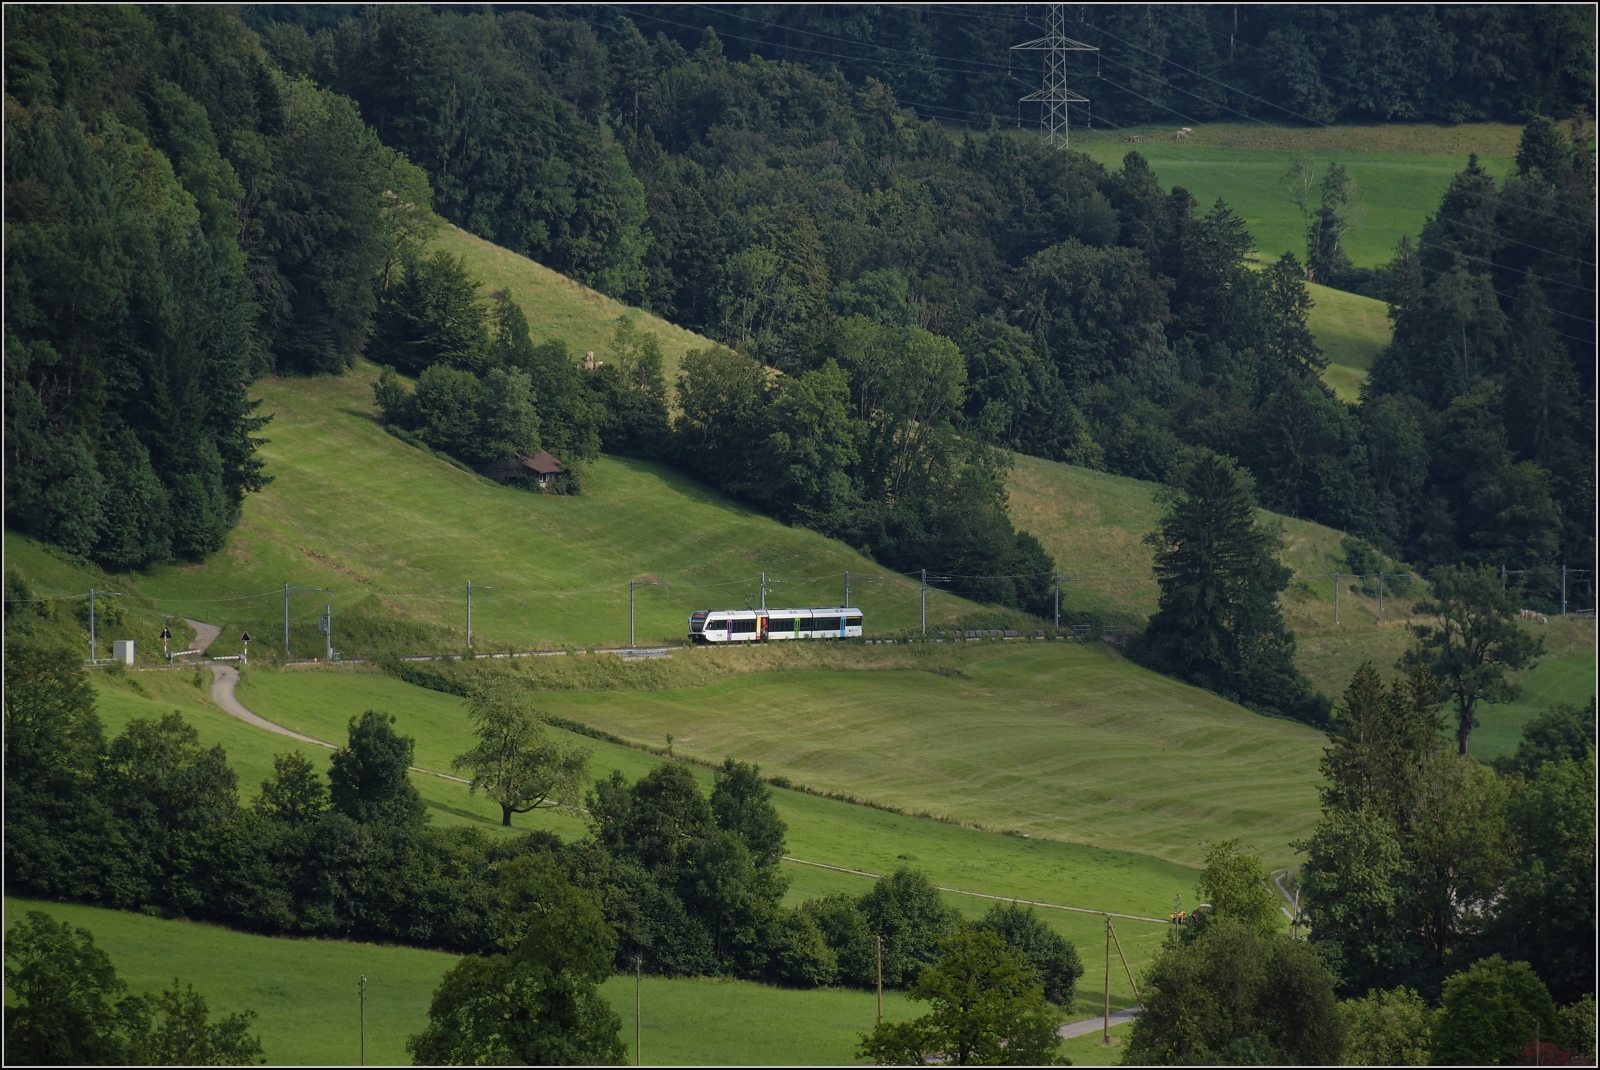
1351,330
306,993
1400,172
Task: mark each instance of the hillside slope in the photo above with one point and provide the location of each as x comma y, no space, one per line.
396,534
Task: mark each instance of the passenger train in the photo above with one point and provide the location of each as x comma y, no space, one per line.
760,625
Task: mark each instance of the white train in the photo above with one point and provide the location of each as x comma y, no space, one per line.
760,625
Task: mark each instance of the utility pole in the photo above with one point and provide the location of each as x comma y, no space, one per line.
1055,96
481,587
93,655
763,592
1058,601
1380,596
1336,598
363,1019
924,602
846,588
325,626
1124,957
638,982
1563,590
1106,1030
879,945
285,620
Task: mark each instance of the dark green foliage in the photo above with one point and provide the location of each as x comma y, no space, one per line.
1547,915
431,315
741,803
1492,337
1051,956
986,1009
70,1009
906,911
205,218
1231,992
1488,1014
534,1002
1218,624
369,780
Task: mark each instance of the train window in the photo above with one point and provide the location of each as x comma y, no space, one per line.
824,624
852,622
782,624
744,626
716,625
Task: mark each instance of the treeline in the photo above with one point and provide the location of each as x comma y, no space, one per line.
689,885
180,217
1480,414
1170,63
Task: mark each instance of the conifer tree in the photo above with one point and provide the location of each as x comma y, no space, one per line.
1218,624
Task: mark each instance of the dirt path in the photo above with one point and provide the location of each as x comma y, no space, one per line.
1091,1025
204,634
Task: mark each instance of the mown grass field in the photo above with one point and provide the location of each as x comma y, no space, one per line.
1057,740
561,308
1400,172
306,994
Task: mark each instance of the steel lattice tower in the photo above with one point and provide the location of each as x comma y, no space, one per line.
1055,96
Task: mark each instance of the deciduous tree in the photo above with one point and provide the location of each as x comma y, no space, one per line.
986,1009
1474,644
516,763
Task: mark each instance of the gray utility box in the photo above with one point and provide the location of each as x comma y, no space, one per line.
122,650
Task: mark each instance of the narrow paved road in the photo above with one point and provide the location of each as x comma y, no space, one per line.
222,691
204,634
226,679
1094,1025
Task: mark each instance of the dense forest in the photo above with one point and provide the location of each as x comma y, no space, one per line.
899,304
1315,63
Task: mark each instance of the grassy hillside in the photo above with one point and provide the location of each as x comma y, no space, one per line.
1400,171
397,534
561,308
1351,330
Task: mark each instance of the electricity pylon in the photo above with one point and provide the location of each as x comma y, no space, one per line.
1055,96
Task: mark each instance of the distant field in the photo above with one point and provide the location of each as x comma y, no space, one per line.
306,994
1400,172
561,308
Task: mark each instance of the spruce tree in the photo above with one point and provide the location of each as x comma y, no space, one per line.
1218,624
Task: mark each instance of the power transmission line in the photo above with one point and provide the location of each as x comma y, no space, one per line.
1055,96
